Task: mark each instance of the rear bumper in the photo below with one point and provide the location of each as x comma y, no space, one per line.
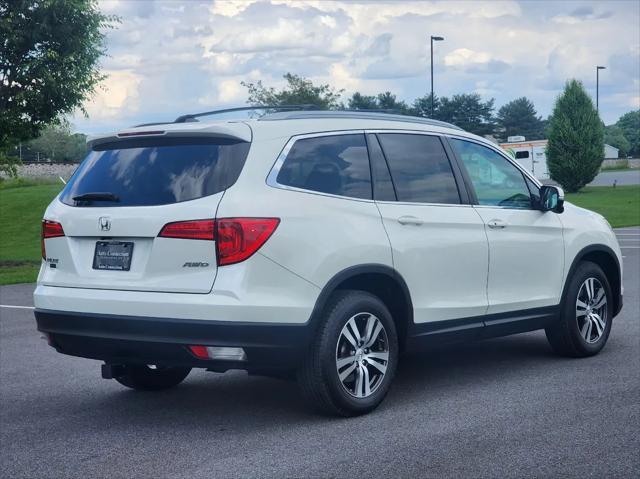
163,341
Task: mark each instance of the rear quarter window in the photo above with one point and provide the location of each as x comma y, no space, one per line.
335,164
158,171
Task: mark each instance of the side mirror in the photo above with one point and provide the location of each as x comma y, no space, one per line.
551,198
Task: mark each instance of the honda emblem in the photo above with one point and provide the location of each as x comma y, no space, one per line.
105,223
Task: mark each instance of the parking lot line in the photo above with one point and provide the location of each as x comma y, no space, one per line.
13,306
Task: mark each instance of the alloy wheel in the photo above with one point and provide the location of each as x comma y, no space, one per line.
362,355
591,310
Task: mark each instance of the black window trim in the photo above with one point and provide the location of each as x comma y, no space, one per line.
374,178
503,154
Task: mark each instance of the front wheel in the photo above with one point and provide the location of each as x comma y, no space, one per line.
147,378
353,359
586,314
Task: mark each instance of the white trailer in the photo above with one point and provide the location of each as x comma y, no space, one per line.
530,154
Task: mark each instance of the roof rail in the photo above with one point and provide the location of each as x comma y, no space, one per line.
356,114
194,116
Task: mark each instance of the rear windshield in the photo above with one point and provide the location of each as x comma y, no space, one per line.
158,171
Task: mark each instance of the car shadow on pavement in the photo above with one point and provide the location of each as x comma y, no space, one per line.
234,400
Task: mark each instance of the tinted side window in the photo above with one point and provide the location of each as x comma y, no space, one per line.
337,164
497,182
420,168
382,184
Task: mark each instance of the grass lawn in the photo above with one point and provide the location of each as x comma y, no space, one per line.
21,210
22,206
620,205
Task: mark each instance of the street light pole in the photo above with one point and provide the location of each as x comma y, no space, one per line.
437,39
598,68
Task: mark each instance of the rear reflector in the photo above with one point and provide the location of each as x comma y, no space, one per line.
196,229
50,229
239,238
218,352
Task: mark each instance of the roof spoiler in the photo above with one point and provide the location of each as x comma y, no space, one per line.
233,131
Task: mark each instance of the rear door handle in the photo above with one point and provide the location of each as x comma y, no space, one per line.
410,220
497,224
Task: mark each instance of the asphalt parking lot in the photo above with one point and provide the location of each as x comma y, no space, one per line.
620,177
500,408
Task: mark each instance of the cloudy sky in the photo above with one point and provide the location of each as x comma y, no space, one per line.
171,57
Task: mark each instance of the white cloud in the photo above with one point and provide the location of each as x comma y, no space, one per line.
342,77
117,94
168,57
230,8
464,56
229,91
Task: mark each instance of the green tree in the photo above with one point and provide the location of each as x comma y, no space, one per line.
469,112
49,53
388,101
614,136
629,123
56,143
519,117
422,106
576,139
298,91
362,102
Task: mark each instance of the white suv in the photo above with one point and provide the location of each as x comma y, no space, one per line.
313,243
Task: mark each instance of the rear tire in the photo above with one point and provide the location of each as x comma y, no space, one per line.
144,378
348,371
586,314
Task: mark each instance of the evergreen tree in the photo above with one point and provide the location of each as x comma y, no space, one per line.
576,139
422,106
519,117
388,101
469,112
363,102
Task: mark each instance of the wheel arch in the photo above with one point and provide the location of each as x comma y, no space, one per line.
380,280
603,256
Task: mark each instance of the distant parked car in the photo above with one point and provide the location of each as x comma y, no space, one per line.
315,244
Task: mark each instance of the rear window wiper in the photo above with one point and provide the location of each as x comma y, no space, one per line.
97,196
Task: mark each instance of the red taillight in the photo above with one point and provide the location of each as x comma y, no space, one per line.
50,229
196,229
238,238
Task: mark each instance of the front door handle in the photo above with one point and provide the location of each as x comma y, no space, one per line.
497,224
410,220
